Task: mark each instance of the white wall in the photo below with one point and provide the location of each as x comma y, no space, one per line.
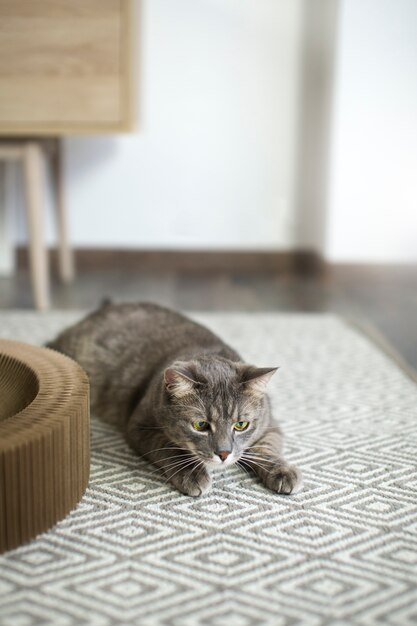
314,121
212,161
372,211
235,120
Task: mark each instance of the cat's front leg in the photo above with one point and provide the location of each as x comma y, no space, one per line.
191,482
265,459
184,471
177,464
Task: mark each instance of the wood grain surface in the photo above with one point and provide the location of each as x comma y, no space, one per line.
65,66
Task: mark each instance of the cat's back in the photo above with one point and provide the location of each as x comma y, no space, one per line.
123,331
124,347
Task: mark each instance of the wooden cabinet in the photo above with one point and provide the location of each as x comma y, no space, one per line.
65,66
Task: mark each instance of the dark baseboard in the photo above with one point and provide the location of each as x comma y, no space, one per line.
359,273
90,259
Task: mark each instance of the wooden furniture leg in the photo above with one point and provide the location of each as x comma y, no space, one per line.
66,260
33,170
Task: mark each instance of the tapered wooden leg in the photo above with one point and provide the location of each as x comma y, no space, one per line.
66,259
33,169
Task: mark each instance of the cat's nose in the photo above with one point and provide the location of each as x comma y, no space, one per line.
223,454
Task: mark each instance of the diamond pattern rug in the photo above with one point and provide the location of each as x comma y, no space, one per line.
343,551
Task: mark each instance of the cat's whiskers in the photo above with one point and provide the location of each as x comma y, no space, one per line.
175,461
180,469
199,464
257,455
171,459
242,467
242,461
174,456
253,461
167,448
256,445
255,450
267,468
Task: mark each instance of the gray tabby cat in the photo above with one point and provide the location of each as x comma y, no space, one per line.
184,399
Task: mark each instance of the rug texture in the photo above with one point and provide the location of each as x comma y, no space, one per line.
343,551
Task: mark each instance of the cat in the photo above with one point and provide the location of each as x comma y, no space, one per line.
183,398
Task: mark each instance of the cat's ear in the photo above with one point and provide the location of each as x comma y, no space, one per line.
179,381
255,379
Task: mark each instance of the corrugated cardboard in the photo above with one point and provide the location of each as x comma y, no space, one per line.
44,439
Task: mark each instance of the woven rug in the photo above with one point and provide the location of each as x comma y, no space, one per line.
343,551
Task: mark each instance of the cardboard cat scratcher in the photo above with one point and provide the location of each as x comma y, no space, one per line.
44,440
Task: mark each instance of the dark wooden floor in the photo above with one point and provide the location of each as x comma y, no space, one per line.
385,298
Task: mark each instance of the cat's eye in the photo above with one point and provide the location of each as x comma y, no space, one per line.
239,426
201,426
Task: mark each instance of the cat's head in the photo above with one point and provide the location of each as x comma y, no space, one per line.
215,407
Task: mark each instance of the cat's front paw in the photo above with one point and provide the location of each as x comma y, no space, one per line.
192,484
286,479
